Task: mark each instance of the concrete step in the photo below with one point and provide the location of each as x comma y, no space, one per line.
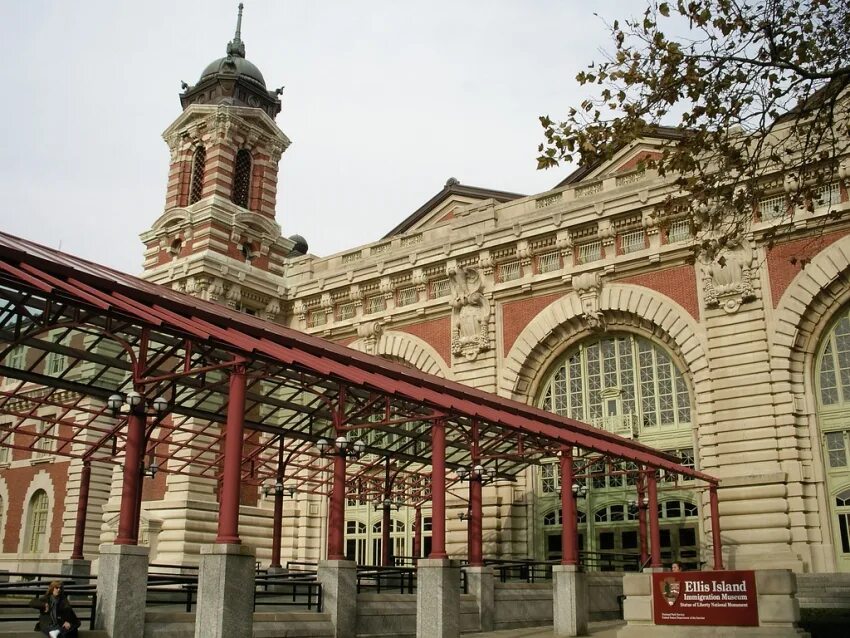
173,624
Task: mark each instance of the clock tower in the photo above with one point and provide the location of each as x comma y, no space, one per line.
218,238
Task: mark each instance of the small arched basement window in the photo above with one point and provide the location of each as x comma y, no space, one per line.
241,178
199,165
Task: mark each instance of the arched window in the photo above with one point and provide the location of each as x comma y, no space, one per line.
241,178
625,384
832,377
37,523
199,166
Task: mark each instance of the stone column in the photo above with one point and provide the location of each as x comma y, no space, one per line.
339,595
481,584
225,592
570,600
437,599
121,590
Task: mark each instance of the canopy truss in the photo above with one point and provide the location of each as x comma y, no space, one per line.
72,333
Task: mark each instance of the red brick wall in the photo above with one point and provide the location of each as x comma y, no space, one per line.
679,284
640,157
779,267
436,333
18,481
516,315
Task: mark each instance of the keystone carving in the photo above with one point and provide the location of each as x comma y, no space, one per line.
727,275
470,313
370,332
587,286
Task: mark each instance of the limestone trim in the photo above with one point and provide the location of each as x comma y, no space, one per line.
624,307
41,481
803,315
413,350
4,511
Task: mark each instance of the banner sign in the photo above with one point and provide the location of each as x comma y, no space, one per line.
718,598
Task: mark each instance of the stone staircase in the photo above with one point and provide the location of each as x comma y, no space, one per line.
174,624
823,591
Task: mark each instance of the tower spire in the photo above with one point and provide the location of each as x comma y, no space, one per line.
236,46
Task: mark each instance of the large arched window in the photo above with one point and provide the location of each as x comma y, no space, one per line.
37,523
241,178
833,394
199,166
628,385
624,384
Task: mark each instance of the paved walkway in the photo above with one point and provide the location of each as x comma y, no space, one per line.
603,629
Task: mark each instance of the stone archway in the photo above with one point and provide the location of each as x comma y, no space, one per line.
394,344
801,319
627,307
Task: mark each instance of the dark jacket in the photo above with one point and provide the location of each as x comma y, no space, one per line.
64,613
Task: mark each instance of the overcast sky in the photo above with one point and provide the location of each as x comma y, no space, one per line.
384,101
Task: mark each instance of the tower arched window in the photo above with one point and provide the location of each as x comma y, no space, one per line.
37,523
199,165
241,178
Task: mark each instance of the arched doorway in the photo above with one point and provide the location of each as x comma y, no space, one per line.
833,405
630,386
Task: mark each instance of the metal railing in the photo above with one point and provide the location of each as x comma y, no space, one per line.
22,587
395,579
521,569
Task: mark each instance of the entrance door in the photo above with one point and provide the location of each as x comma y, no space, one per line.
841,521
679,545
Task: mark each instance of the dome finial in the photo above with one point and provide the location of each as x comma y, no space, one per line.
236,46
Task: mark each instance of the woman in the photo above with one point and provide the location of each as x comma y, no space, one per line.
57,617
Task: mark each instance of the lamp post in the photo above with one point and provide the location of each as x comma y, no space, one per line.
134,469
278,489
639,506
477,475
340,449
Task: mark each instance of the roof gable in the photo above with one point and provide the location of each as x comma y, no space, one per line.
625,158
442,207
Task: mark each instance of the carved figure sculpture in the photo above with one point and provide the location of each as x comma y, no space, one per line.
470,313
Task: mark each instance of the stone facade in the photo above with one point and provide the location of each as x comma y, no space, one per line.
497,290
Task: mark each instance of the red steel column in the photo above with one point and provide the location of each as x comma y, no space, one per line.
277,519
654,534
438,490
82,510
715,526
336,514
476,541
130,491
641,520
386,520
228,520
417,533
569,519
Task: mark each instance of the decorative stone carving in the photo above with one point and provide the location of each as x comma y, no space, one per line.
564,242
587,286
370,332
727,275
470,313
215,292
234,296
300,310
272,310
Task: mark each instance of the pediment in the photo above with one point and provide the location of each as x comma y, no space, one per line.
446,204
626,159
